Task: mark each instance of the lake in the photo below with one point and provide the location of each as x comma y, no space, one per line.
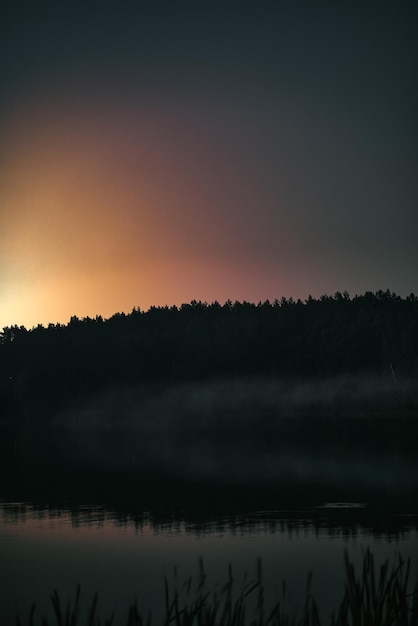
115,505
123,555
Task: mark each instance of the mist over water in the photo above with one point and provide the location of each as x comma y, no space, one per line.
212,404
337,438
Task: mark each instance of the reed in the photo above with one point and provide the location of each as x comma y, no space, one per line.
378,598
374,597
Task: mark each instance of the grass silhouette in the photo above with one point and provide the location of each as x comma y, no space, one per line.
376,596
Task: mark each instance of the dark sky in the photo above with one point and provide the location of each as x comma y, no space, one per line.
152,153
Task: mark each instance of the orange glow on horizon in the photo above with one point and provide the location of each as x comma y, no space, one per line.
99,221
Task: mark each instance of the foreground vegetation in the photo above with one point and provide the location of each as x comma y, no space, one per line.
47,368
375,596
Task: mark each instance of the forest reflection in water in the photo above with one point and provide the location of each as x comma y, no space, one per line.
294,459
124,554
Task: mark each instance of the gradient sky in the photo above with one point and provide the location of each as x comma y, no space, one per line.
155,153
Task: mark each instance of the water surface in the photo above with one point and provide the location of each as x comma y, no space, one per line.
123,555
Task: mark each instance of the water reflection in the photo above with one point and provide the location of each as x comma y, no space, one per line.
124,554
333,519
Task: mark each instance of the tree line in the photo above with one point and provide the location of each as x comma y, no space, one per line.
48,367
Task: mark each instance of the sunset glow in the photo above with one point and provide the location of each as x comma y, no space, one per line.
123,186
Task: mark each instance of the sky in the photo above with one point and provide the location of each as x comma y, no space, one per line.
156,153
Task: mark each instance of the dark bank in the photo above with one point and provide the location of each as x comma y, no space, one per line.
284,395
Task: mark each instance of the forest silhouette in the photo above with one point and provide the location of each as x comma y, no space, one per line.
317,398
45,369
